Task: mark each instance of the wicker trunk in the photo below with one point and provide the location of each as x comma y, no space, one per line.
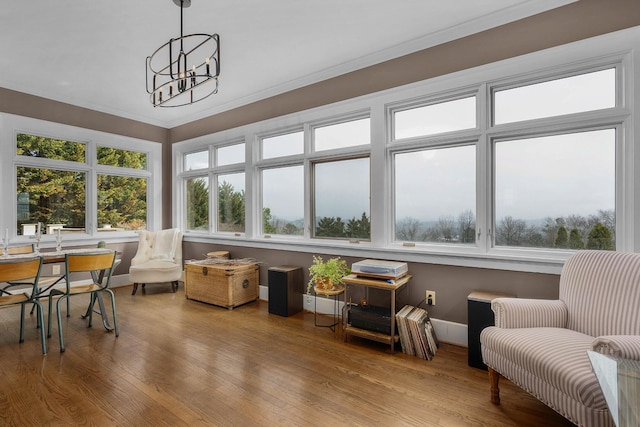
225,285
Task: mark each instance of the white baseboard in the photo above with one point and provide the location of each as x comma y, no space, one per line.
446,331
120,280
451,332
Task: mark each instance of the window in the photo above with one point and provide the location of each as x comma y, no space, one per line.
283,200
230,154
50,196
198,160
49,148
556,191
436,195
122,199
512,165
341,199
575,94
341,135
231,203
197,195
65,180
122,203
458,114
283,145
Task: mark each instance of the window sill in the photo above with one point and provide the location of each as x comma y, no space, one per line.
504,259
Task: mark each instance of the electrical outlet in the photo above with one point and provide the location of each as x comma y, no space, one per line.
55,269
430,297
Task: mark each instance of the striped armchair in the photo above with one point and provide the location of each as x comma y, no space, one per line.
541,345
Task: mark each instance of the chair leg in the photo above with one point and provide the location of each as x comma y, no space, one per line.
60,334
40,315
92,301
21,323
494,377
135,288
174,286
49,317
113,309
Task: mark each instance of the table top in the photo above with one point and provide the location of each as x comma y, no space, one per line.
390,284
55,256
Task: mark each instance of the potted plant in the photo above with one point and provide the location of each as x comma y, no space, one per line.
327,274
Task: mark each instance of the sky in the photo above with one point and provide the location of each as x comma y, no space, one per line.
535,178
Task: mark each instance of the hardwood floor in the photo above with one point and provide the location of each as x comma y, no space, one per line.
179,362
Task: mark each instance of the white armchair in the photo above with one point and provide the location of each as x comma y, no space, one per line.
158,259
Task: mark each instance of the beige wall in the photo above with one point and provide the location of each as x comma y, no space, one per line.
451,284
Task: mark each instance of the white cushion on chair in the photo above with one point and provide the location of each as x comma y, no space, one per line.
164,247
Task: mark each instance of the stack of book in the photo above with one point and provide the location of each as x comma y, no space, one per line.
417,336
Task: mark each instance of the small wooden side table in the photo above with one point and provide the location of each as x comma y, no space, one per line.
334,293
393,286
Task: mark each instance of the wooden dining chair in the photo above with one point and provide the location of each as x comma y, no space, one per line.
5,286
100,266
23,270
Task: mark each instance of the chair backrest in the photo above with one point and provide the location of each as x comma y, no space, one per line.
24,249
601,290
100,265
89,262
21,269
161,245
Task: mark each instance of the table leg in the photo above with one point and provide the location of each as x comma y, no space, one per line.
101,311
393,320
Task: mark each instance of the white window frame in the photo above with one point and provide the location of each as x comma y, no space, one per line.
620,48
12,125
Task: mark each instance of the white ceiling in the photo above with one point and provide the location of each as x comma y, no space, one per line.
91,53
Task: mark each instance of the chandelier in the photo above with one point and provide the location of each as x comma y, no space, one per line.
185,69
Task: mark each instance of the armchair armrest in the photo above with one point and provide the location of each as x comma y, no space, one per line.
529,313
621,346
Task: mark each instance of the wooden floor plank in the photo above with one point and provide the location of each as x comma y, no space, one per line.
183,363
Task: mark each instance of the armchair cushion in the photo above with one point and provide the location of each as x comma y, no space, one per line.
552,357
164,247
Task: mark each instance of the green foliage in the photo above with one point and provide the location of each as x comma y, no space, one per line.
267,227
51,197
121,158
331,271
54,196
562,239
38,146
517,232
231,211
335,227
122,201
197,204
575,239
358,229
600,238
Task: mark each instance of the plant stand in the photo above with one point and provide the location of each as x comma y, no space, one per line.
334,293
